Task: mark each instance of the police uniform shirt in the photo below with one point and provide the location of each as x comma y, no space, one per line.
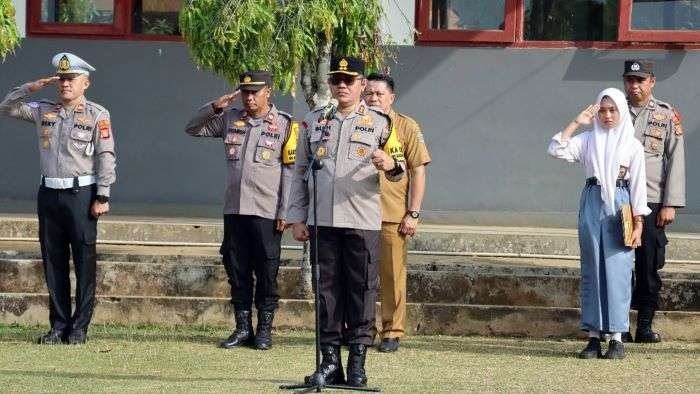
658,127
395,194
258,180
348,182
72,143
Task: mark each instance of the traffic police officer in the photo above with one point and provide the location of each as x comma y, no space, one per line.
259,144
658,126
347,140
77,161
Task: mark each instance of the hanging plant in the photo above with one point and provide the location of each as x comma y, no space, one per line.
9,35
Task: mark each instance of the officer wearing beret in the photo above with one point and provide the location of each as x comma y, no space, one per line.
259,144
77,162
658,126
348,141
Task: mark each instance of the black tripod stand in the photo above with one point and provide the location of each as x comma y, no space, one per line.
315,164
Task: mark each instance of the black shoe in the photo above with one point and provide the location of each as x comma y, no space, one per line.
646,335
592,350
77,337
243,334
627,337
263,335
616,350
330,370
53,337
357,377
389,345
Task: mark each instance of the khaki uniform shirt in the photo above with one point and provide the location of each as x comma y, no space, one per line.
258,182
659,129
348,183
72,143
395,194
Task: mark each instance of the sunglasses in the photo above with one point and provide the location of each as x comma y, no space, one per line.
336,79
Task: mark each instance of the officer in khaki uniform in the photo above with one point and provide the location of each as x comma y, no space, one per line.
77,161
260,145
347,140
399,213
658,126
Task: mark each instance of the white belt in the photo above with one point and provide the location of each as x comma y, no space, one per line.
67,183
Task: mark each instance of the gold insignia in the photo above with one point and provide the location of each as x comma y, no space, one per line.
46,132
265,155
343,65
64,63
355,137
361,110
655,132
232,151
50,115
659,116
45,143
655,146
361,151
321,151
678,129
83,119
247,79
239,123
366,120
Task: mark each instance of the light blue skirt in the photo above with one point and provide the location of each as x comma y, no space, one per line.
606,263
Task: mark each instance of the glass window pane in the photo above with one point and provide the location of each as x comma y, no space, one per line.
77,11
157,16
571,20
468,14
666,15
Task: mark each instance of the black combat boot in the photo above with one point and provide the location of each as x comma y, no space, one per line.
263,334
644,334
331,369
627,337
77,337
243,334
53,337
356,365
592,350
616,350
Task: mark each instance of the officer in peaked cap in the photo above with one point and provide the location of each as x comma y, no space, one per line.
348,141
77,162
259,143
658,126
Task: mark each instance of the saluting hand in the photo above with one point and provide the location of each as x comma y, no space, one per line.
226,100
382,161
587,115
40,84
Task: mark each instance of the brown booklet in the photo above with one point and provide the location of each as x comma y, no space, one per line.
627,224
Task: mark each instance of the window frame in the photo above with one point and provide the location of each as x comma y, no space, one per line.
120,28
515,20
507,35
626,33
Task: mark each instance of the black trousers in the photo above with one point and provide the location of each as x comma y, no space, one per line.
648,259
349,266
66,226
251,245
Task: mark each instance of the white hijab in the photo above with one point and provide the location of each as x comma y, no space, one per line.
609,147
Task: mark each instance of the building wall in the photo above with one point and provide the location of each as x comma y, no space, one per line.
21,15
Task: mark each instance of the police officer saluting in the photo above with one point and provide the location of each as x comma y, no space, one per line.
77,161
658,126
259,144
348,143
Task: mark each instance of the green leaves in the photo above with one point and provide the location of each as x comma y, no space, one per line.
232,36
9,36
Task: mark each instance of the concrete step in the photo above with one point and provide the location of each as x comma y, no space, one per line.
427,318
469,240
476,282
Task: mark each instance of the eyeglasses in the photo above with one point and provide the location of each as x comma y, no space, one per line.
336,79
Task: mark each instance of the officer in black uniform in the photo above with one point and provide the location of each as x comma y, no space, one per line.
77,161
259,143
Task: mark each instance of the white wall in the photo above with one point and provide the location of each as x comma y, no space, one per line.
399,21
21,16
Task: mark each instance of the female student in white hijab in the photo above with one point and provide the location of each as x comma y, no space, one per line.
614,164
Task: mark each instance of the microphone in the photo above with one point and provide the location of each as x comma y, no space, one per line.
330,109
328,113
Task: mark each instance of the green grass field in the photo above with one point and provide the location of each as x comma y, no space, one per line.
185,359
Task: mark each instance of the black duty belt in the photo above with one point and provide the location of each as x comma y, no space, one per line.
593,181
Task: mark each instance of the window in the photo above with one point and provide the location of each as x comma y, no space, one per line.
127,19
558,23
474,20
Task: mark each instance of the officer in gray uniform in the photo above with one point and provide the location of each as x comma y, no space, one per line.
658,126
347,141
77,161
259,143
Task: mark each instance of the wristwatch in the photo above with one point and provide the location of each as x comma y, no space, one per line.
414,214
102,199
